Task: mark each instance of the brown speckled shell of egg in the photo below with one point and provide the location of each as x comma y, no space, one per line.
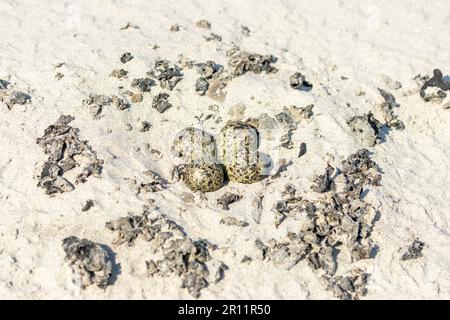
194,145
238,151
245,173
205,177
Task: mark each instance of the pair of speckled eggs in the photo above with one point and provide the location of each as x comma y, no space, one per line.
207,164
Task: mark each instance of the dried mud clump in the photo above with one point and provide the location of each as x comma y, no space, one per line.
156,182
242,62
161,102
175,27
228,198
414,251
366,128
18,97
349,287
144,126
87,205
143,84
11,97
65,151
173,252
291,205
387,108
338,223
289,119
302,150
284,253
166,73
201,86
213,37
438,84
324,183
245,31
208,72
232,221
96,103
136,97
298,81
119,73
91,263
124,58
3,84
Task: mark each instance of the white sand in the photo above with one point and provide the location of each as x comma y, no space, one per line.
361,40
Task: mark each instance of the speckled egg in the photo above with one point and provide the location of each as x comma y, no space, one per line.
205,177
238,151
194,145
245,172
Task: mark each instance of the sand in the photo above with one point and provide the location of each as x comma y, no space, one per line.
343,48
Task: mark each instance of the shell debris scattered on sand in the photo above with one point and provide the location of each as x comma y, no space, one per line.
172,252
272,191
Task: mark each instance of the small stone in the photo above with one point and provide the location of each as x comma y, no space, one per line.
137,97
324,183
213,37
88,205
246,259
228,198
437,81
241,62
204,24
201,86
365,128
298,81
121,104
143,84
245,31
124,58
414,251
144,126
166,73
232,221
18,97
302,150
119,73
175,27
3,84
161,102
